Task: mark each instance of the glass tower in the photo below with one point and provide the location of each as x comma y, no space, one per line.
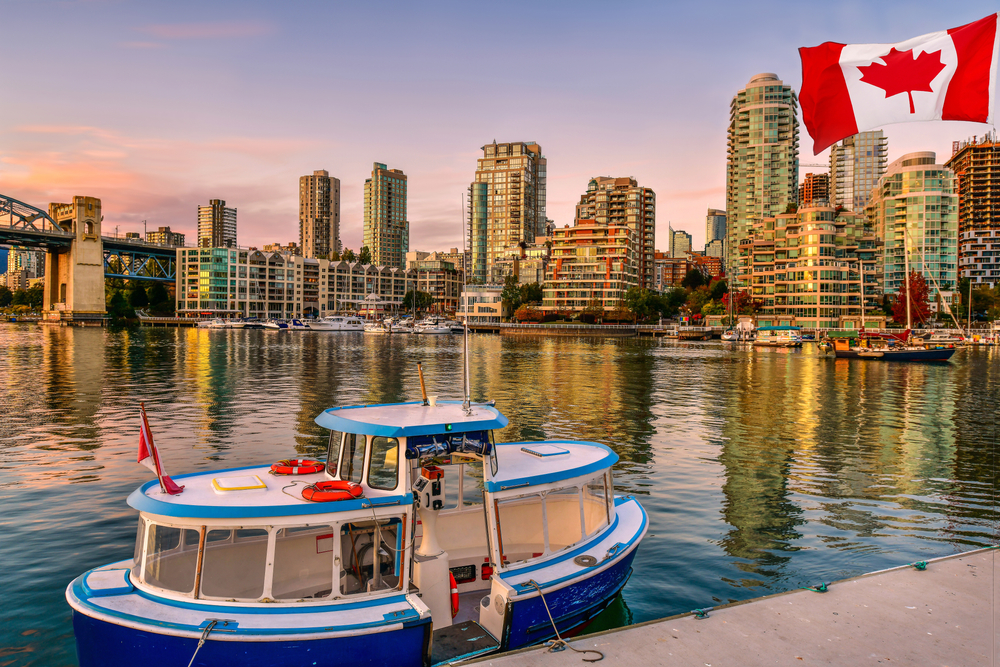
763,162
856,164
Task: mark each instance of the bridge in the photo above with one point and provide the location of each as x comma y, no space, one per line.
78,257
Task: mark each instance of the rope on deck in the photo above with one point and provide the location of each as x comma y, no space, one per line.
559,644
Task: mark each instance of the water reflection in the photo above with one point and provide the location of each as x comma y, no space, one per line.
760,470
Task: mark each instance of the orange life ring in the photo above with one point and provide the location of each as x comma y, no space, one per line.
297,467
454,595
328,490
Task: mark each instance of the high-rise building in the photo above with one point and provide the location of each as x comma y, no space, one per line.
915,207
680,244
976,164
716,248
617,201
506,202
163,236
319,214
387,231
762,175
715,226
856,164
216,225
815,190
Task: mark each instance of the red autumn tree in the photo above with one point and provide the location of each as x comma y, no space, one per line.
743,303
920,307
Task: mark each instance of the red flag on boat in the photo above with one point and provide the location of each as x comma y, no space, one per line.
149,457
946,75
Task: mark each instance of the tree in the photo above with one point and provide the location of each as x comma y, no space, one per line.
347,255
5,296
511,294
159,299
35,296
528,313
424,300
920,307
19,298
137,295
642,303
718,289
697,298
743,303
118,307
365,256
792,208
670,302
713,307
693,280
593,312
531,293
334,256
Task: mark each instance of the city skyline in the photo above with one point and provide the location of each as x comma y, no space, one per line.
140,133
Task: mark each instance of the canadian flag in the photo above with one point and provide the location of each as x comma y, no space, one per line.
149,457
947,75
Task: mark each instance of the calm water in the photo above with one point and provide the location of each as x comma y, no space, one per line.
761,471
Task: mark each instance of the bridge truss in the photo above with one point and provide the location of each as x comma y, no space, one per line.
139,264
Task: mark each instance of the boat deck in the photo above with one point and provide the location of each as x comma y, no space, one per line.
943,615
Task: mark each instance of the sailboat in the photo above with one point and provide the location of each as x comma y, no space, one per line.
888,347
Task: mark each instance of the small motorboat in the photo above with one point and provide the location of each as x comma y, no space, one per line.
276,325
217,323
337,323
730,335
316,563
778,336
297,325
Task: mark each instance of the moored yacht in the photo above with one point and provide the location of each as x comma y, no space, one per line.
778,336
313,563
337,323
277,325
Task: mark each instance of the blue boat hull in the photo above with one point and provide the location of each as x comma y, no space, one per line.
571,607
103,644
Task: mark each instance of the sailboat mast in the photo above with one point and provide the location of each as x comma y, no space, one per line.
467,404
906,275
969,329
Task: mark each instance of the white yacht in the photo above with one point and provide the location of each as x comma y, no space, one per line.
337,323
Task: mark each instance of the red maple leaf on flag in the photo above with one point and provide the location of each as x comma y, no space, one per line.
903,73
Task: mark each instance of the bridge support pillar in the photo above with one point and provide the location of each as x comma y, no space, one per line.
74,279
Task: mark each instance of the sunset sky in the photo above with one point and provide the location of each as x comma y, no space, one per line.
159,107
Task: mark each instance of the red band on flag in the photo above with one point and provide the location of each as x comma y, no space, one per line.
968,96
826,104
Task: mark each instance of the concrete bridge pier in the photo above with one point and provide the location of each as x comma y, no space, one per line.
74,277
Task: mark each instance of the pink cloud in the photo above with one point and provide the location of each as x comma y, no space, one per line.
208,30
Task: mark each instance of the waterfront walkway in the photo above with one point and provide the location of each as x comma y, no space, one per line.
944,615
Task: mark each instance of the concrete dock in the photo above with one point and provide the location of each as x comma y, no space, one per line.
944,615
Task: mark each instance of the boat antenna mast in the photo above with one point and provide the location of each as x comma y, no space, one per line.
463,301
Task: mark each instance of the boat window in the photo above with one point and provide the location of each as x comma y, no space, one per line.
303,563
522,533
562,511
333,452
383,469
140,538
353,458
370,555
472,483
233,564
171,557
595,506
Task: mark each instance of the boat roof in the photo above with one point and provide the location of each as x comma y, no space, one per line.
393,420
244,493
778,328
526,464
842,334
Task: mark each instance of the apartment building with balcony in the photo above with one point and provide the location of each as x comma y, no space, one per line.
856,165
216,225
319,214
808,268
616,201
591,262
386,228
976,164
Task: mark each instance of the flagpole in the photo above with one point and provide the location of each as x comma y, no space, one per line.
152,447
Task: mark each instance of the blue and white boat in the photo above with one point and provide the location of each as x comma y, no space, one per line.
426,543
